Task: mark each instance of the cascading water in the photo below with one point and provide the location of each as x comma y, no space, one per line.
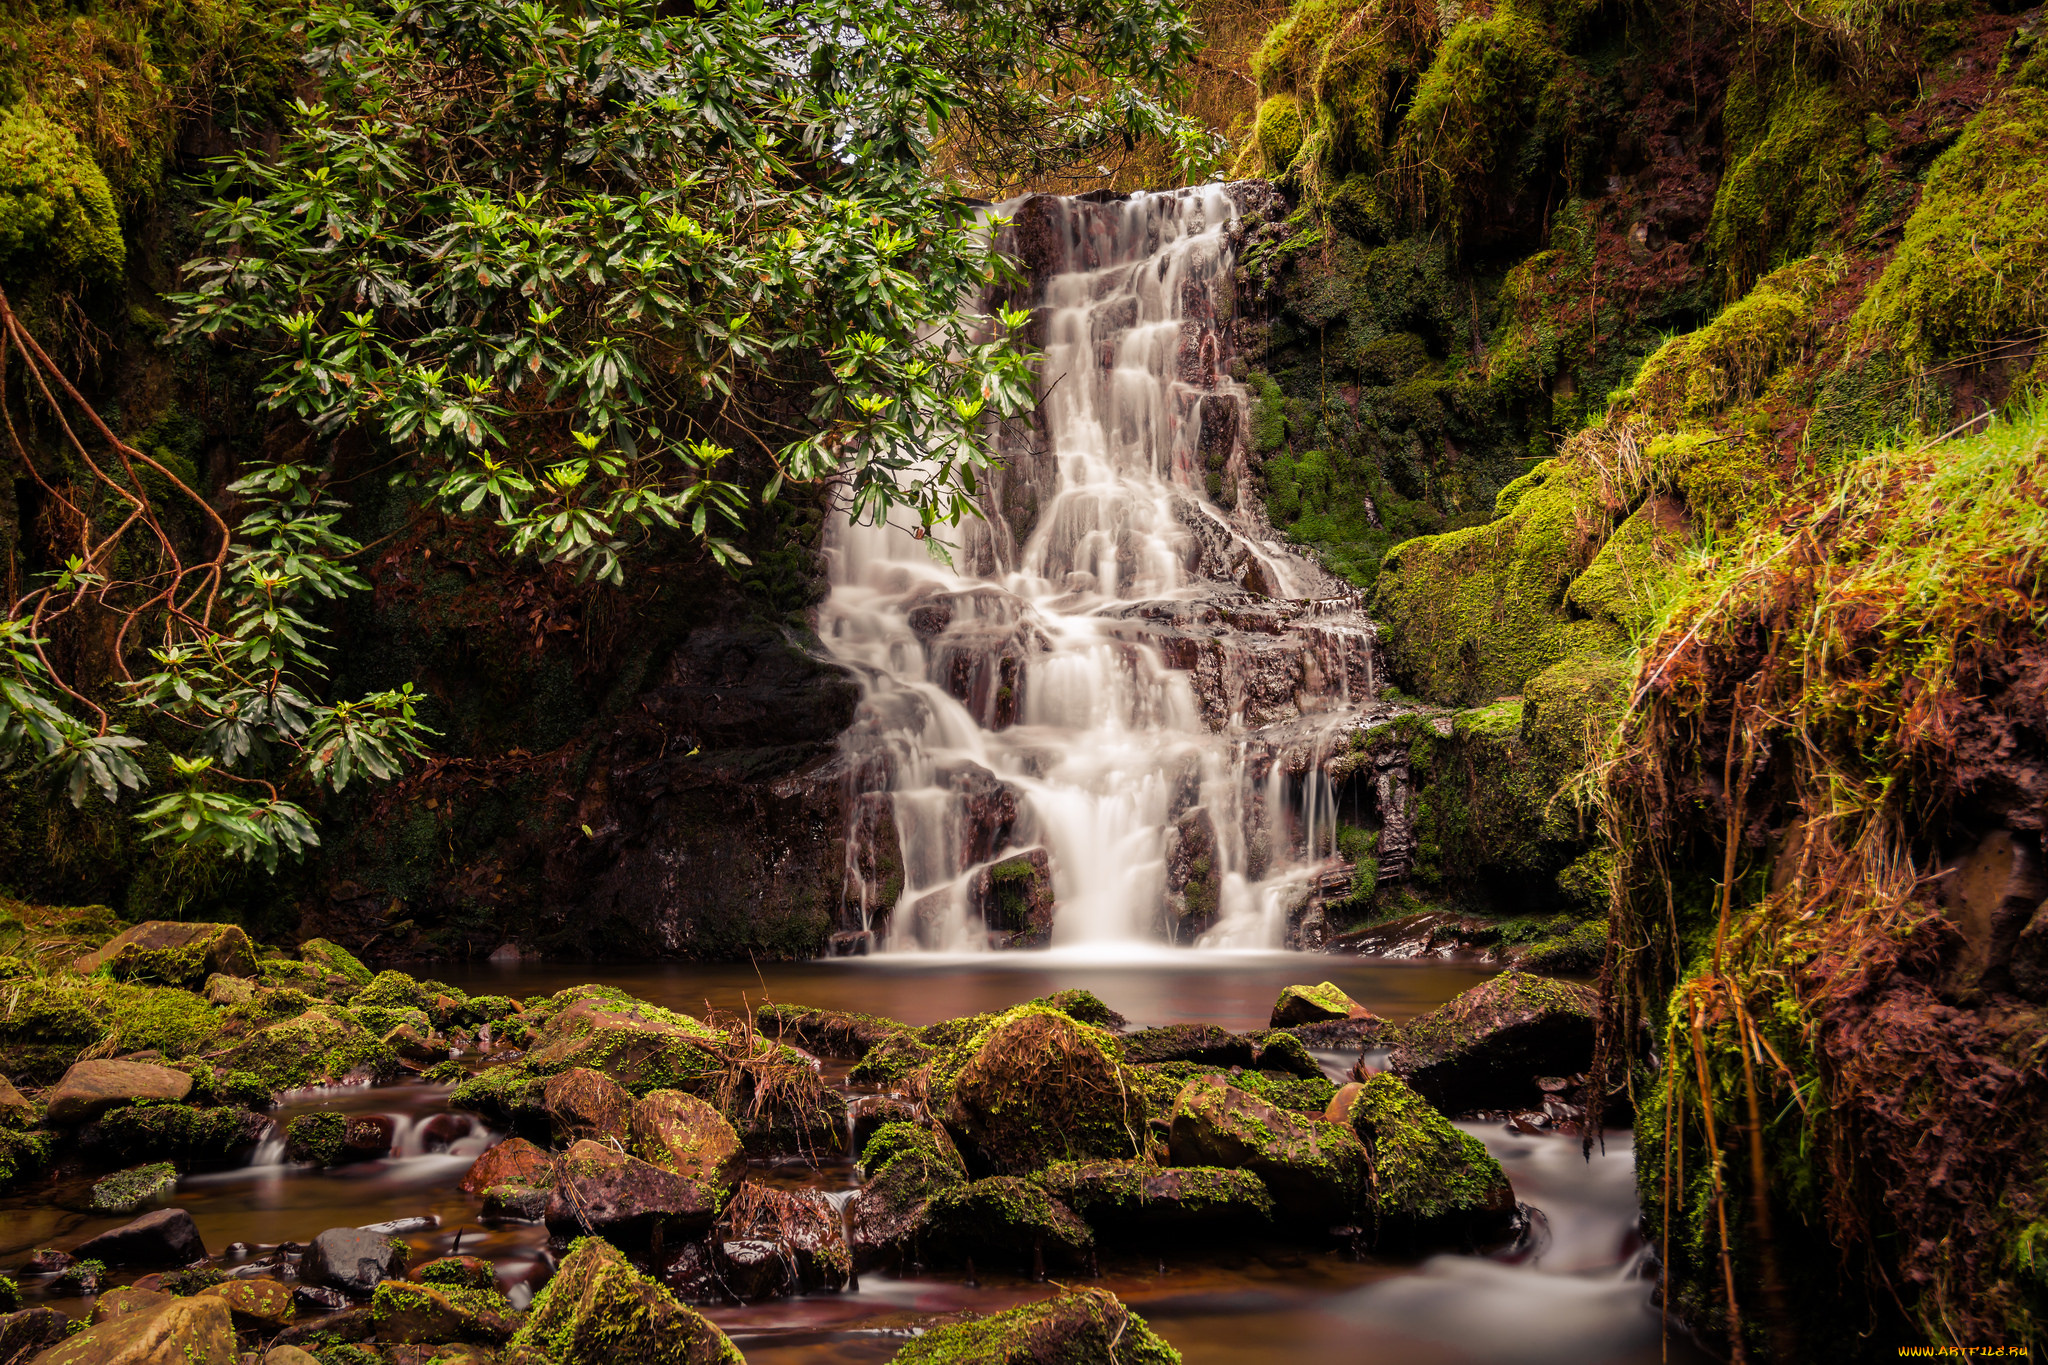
1070,734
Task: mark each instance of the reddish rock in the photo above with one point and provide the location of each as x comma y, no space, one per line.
603,1191
515,1161
582,1103
89,1089
682,1134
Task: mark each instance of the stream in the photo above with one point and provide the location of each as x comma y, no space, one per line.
1572,1291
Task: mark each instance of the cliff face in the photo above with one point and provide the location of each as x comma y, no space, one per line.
1690,363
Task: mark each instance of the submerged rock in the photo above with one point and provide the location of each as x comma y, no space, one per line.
599,1310
1426,1178
1133,1199
90,1089
165,1237
1485,1049
1075,1327
1313,1169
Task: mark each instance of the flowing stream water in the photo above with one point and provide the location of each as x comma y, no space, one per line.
1069,727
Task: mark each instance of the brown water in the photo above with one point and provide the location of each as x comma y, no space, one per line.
1568,1295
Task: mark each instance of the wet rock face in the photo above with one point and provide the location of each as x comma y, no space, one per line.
682,1134
1014,898
771,1243
1006,1219
906,1164
1485,1049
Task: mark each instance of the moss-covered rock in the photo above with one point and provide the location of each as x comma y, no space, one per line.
317,1047
599,1189
195,1331
890,1060
905,1164
178,1131
1139,1201
1312,1004
1313,1169
56,209
1485,1048
45,1024
599,1310
828,1033
1795,147
1694,377
392,991
582,1103
1424,1177
333,958
1277,132
261,1305
127,1191
1033,1087
683,1134
1075,1327
315,1138
173,953
434,1313
24,1155
1005,1219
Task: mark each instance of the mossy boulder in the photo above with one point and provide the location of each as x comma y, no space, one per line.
599,1189
392,990
1081,1006
1141,1201
1312,1004
1202,1044
407,1312
1693,377
685,1135
170,953
318,1047
45,1024
905,1165
1425,1177
333,958
582,1103
599,1310
16,1109
1005,1219
315,1138
1075,1327
641,1046
1314,1170
456,1272
57,212
260,1305
1485,1049
126,1191
1277,132
890,1060
172,1131
1033,1087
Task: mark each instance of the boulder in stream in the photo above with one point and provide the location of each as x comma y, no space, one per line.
1006,1220
320,1046
683,1134
905,1165
409,1313
773,1242
1485,1049
353,1260
582,1103
173,953
1075,1326
515,1161
1313,1169
827,1033
257,1304
25,1333
601,1190
194,1331
164,1237
599,1310
1034,1086
315,1139
1314,1004
1427,1179
90,1089
126,1191
1137,1200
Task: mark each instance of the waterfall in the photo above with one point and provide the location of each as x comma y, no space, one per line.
1071,733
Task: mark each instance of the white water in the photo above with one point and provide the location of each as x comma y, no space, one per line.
1041,682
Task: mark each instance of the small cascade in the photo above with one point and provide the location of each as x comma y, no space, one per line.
1078,731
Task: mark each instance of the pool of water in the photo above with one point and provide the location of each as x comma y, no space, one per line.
1573,1292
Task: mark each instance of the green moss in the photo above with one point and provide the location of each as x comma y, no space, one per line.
1423,1169
162,1019
1632,579
178,1131
126,1191
24,1154
318,1046
56,210
392,990
335,959
1004,1216
10,1295
599,1310
1277,132
1973,268
1083,1007
1077,1325
1792,175
1579,950
315,1138
1726,363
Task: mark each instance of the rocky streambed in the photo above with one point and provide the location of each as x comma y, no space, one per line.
257,1155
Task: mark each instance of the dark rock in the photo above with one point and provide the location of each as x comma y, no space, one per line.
1485,1049
1313,1169
1014,897
1074,1327
1132,1199
164,1237
599,1309
46,1261
182,1131
1194,874
398,1227
905,1165
16,1111
315,1139
603,1191
353,1260
1006,1219
89,1089
867,1113
443,1131
318,1298
1348,1035
753,1269
802,1230
1281,1051
515,1203
367,1137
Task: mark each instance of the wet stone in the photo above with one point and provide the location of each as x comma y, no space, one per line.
352,1260
165,1237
